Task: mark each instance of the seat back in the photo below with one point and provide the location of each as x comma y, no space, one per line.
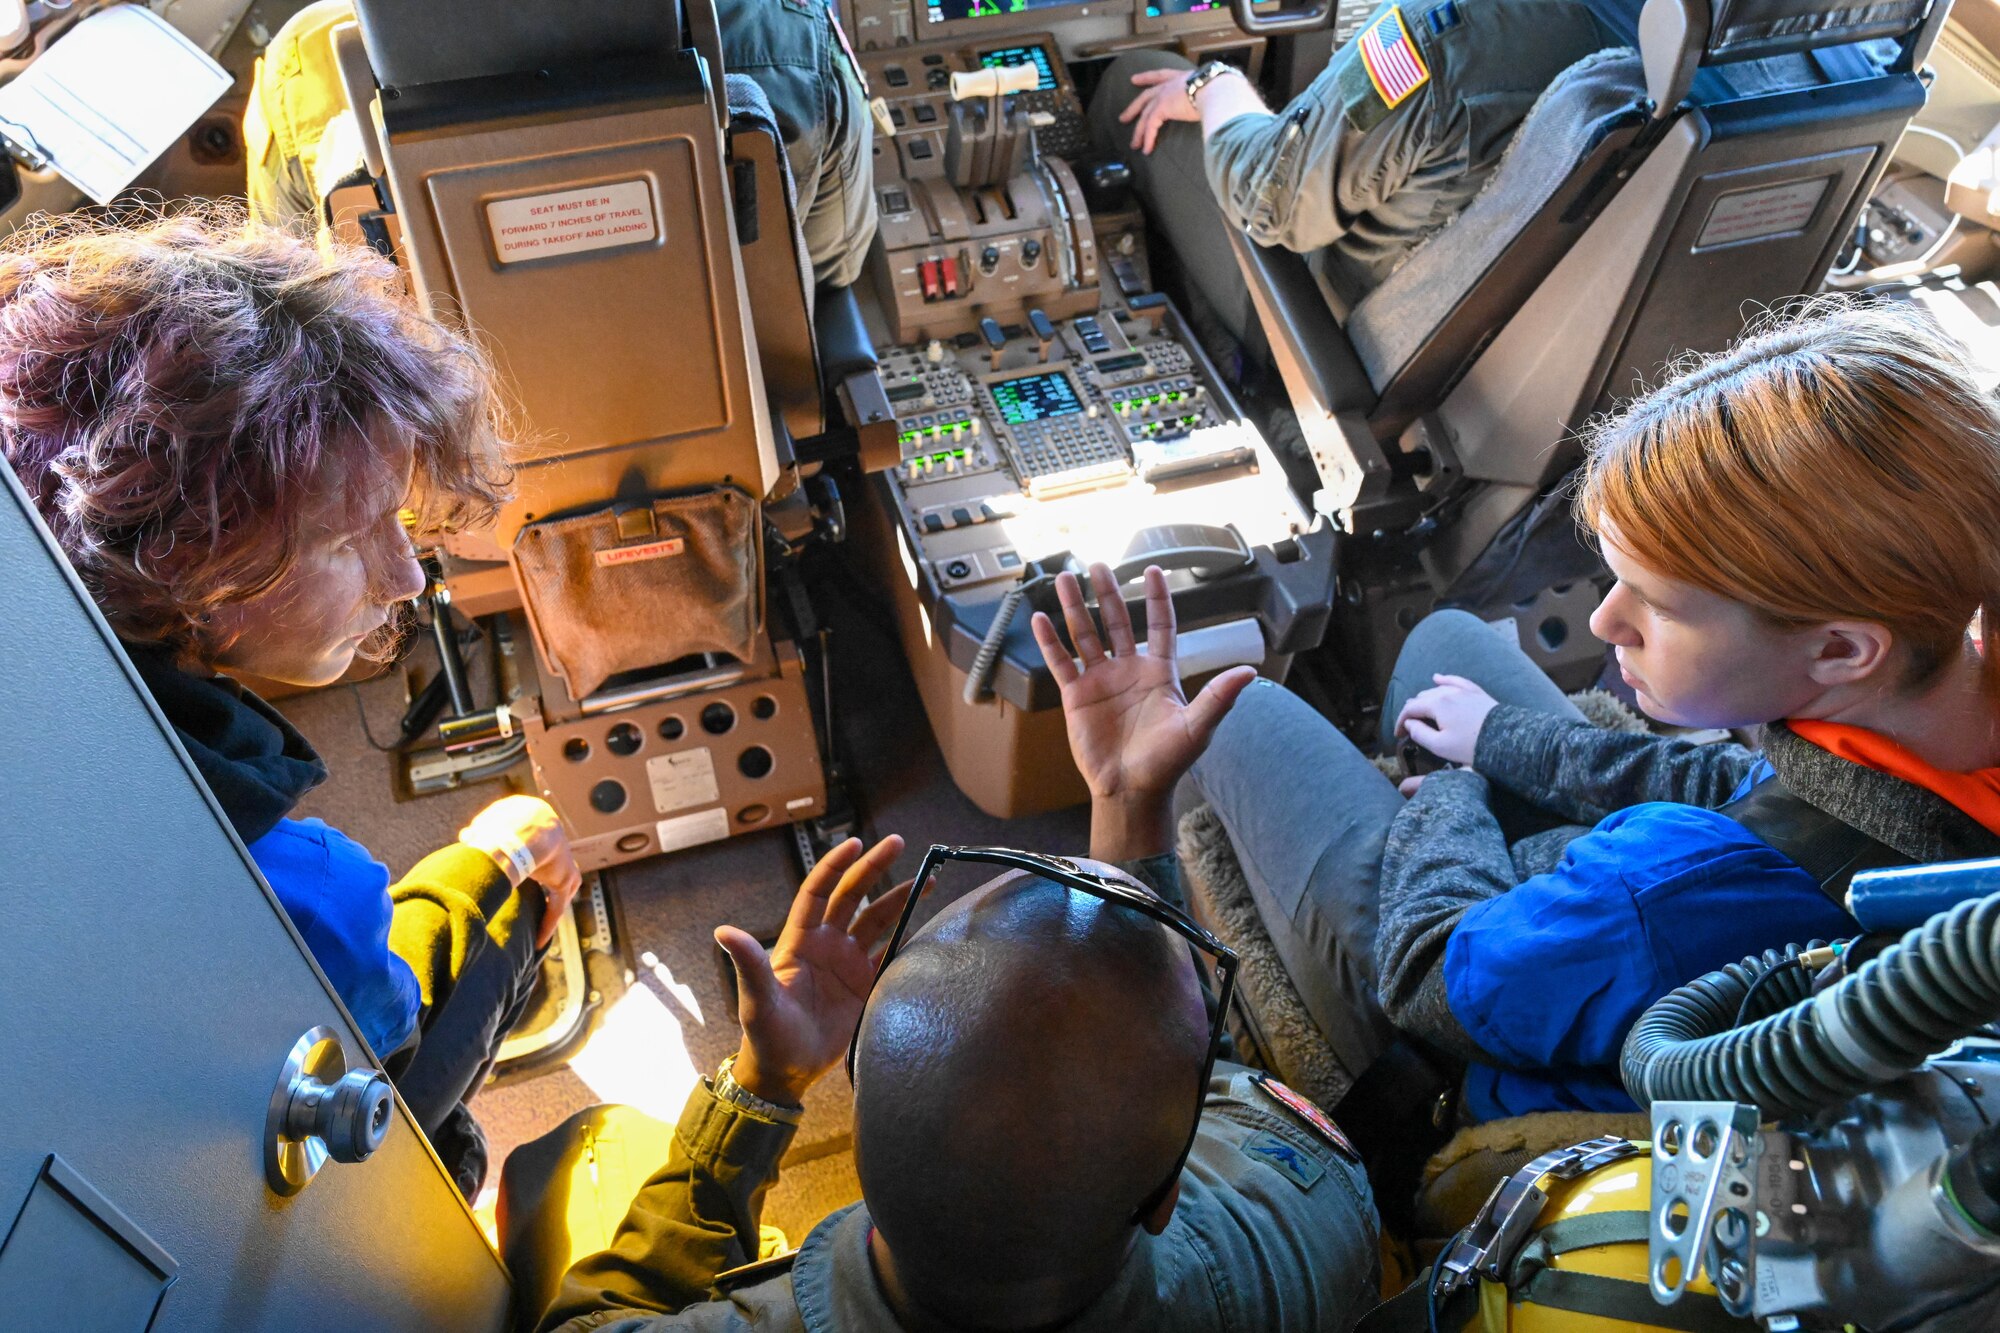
1419,331
1734,197
1416,331
777,271
573,209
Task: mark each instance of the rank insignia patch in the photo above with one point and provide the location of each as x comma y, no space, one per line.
1394,64
1294,1165
1302,1107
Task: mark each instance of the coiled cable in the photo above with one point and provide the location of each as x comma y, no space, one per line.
1939,983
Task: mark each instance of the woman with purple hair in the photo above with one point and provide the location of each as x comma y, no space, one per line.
224,425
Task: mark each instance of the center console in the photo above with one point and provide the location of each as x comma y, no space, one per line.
1051,410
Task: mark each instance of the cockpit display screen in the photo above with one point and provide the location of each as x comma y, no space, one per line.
950,11
1007,57
1168,8
1036,398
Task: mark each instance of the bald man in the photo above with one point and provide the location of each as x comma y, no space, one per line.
1024,1080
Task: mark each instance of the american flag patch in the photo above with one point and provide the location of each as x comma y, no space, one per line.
1394,65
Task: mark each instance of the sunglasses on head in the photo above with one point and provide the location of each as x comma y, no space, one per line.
1121,892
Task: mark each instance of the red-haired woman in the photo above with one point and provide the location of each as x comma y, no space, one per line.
221,424
1802,531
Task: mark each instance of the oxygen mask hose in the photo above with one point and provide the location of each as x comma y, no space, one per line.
1939,983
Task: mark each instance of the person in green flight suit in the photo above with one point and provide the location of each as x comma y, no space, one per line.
1398,134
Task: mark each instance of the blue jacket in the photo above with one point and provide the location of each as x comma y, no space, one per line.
1533,960
1550,976
337,895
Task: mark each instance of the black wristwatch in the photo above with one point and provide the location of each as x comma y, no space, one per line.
1206,75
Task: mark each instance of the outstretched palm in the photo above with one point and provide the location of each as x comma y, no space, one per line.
800,1002
1132,731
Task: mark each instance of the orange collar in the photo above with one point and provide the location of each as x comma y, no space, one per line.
1976,793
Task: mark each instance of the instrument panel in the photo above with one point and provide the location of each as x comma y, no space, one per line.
891,24
1073,440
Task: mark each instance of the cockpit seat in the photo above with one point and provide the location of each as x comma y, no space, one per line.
1649,205
613,215
1415,330
819,363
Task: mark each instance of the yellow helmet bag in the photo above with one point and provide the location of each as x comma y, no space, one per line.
1561,1246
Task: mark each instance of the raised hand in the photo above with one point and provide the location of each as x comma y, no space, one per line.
799,1003
1132,731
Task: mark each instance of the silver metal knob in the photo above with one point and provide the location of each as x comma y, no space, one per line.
321,1110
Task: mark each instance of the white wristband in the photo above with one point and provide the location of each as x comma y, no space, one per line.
520,861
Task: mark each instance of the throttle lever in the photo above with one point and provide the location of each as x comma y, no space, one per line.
1205,550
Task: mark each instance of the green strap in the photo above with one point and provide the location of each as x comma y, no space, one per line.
1627,1302
1532,1279
1588,1230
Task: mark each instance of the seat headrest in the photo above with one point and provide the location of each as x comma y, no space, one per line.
416,42
1752,29
1678,36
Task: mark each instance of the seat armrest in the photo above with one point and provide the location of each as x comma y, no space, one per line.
1330,392
848,369
844,347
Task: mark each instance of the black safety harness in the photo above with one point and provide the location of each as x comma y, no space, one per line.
1829,849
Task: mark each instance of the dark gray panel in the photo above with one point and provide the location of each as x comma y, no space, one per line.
149,990
73,1261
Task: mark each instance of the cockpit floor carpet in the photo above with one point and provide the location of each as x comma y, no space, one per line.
676,1022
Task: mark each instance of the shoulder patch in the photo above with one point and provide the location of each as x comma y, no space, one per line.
1395,67
1282,1157
1316,1120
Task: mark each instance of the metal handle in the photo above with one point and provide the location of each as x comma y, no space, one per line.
321,1110
1284,19
1208,550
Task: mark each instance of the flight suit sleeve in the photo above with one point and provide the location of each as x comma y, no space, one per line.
276,187
1283,1210
1299,177
696,1217
295,93
451,907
